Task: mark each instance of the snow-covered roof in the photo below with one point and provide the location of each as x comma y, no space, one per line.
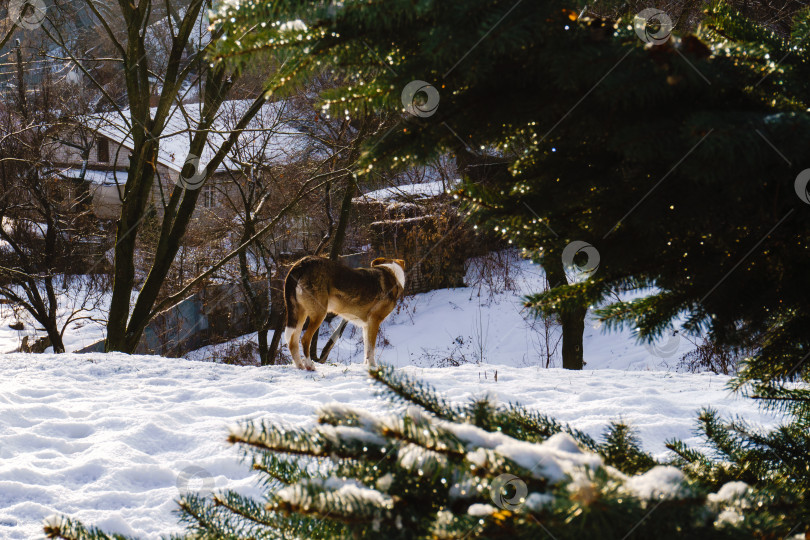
401,221
268,138
407,192
94,176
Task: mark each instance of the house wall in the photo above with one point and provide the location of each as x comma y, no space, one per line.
68,155
107,197
106,200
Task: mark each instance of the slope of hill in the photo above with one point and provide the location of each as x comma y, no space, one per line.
485,323
482,323
113,439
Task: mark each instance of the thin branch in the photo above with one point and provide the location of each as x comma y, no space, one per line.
177,297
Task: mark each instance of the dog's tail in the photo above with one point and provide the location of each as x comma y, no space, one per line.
289,298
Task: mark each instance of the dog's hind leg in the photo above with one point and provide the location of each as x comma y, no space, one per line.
315,321
293,335
296,316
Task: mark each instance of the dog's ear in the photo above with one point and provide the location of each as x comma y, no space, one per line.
400,262
378,261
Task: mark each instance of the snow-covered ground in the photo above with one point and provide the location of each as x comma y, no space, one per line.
112,439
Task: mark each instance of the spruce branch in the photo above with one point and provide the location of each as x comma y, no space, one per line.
409,390
64,528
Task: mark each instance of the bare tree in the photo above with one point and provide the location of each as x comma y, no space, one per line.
267,176
155,84
263,175
340,142
47,231
159,48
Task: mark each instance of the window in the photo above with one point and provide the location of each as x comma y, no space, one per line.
103,150
209,196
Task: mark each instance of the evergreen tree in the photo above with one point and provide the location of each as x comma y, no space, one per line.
676,159
432,469
679,163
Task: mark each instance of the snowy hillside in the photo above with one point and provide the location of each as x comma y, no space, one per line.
112,439
482,323
486,323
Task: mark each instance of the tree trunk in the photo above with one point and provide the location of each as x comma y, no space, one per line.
124,330
272,350
572,320
133,212
573,326
275,343
263,352
491,171
56,338
333,339
276,319
337,247
257,302
343,220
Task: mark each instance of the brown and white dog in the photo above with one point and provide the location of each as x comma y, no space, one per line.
316,286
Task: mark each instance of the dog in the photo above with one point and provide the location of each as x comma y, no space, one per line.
316,286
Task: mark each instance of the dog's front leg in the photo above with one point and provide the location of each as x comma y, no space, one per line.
370,342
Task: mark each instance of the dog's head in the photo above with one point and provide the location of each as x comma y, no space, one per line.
382,260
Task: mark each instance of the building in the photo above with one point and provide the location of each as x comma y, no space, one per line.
420,224
98,152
